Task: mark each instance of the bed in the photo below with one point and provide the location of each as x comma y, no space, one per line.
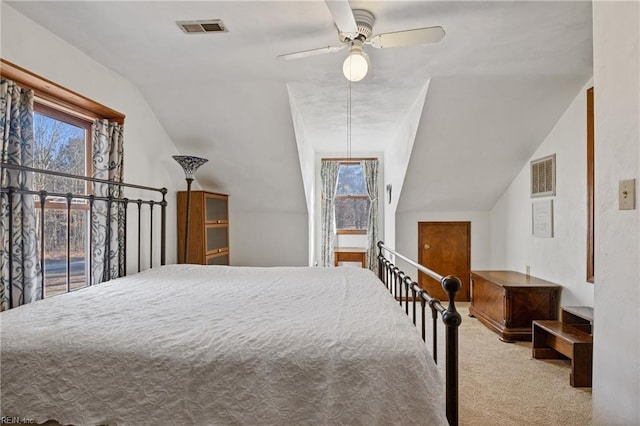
203,345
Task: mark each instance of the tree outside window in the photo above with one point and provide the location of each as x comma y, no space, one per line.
351,200
62,143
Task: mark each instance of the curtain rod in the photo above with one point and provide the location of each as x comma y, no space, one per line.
346,160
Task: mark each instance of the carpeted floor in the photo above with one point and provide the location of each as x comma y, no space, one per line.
501,384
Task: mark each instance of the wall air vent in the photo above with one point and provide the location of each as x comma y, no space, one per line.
543,176
199,27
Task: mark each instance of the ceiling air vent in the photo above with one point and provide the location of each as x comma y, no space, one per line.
543,176
195,27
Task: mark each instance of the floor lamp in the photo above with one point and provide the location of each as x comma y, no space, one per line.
189,164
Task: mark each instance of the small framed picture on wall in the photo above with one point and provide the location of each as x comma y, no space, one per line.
542,219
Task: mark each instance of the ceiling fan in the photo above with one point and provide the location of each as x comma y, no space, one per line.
355,29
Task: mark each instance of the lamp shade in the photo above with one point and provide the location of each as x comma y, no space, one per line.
190,164
356,65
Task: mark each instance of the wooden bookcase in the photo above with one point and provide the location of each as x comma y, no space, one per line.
208,228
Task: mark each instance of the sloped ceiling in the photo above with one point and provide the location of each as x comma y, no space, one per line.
469,147
500,79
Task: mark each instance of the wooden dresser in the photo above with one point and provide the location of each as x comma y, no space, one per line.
208,230
507,302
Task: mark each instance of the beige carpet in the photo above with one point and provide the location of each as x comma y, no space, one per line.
501,384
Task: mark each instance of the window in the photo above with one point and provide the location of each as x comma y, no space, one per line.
351,200
62,142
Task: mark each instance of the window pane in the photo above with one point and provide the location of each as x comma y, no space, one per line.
58,146
352,199
352,213
55,250
351,180
61,146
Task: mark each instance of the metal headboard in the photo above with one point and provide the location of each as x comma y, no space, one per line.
42,196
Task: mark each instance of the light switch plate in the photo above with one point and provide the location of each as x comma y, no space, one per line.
627,194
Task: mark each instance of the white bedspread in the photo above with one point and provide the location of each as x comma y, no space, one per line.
215,345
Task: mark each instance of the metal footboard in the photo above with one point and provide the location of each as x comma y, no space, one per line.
400,284
8,194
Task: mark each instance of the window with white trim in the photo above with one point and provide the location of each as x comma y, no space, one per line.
351,200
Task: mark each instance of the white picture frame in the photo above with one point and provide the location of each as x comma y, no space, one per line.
542,219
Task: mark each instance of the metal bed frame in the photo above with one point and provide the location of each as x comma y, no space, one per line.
42,196
396,280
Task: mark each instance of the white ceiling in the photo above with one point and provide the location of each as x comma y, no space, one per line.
500,79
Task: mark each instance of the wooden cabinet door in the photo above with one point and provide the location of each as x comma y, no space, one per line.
445,248
217,238
208,227
218,259
216,208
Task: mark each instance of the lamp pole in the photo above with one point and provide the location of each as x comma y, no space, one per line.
188,222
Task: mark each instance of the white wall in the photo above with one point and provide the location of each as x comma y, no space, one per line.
616,381
267,238
407,236
306,156
561,259
148,149
396,160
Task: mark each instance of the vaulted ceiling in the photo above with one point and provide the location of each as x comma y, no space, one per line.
499,81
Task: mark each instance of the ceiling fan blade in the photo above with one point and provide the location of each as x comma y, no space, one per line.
312,52
408,37
343,17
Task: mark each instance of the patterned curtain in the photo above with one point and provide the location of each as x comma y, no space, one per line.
329,174
16,131
370,168
107,226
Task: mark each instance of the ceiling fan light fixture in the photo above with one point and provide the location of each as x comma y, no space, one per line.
356,65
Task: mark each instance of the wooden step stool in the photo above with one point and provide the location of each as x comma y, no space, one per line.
570,337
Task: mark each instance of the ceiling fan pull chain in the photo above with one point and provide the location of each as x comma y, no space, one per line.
349,120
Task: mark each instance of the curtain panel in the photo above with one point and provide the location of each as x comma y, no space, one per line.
107,221
16,131
370,169
329,174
